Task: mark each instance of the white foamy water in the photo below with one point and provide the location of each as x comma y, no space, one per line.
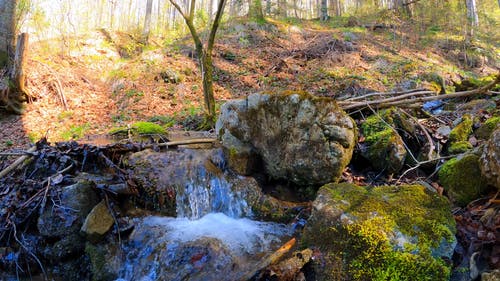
240,235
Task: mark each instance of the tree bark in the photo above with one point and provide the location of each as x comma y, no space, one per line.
324,10
472,17
147,21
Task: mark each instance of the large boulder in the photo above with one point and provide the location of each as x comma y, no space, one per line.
378,233
462,180
490,159
301,138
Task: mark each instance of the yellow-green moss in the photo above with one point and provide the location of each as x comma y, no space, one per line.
462,179
462,131
365,243
140,128
459,147
488,127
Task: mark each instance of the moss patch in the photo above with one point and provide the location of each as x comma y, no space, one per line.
382,233
484,132
462,179
140,128
385,146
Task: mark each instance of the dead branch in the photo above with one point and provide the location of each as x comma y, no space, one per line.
415,97
18,162
58,84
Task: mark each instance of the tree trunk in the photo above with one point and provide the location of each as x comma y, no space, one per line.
268,7
472,17
147,21
255,10
324,10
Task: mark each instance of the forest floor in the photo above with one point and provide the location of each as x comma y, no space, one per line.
89,85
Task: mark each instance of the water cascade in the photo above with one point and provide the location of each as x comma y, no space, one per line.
213,236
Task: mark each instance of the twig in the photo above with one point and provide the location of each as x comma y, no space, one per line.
181,142
383,94
16,163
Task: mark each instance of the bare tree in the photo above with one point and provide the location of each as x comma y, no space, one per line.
204,54
324,10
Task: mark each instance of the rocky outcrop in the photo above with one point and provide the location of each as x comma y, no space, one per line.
304,139
372,233
490,159
461,178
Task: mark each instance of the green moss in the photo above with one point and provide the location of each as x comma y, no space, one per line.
366,240
140,128
462,131
148,128
97,256
459,147
484,132
462,179
385,147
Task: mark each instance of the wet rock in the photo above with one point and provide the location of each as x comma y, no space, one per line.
289,269
98,222
215,247
490,159
240,157
67,247
190,183
461,178
193,183
374,233
73,206
304,139
105,261
385,147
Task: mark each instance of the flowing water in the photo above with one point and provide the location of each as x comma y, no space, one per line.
213,236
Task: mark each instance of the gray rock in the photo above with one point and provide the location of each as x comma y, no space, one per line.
98,222
490,159
301,138
67,216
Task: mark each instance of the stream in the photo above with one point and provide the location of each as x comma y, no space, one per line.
213,236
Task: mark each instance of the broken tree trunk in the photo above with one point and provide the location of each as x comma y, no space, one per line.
16,92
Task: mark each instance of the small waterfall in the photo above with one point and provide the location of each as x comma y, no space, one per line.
212,237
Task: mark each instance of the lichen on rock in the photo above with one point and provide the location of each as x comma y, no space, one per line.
301,138
381,233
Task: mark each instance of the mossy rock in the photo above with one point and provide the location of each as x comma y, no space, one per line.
100,267
386,150
140,128
459,136
461,178
485,131
381,233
